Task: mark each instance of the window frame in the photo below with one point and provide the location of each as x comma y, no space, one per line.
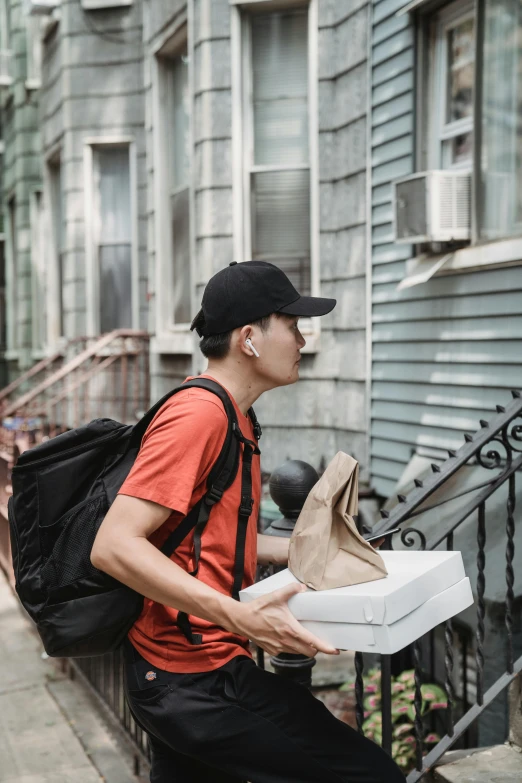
34,28
37,219
170,337
54,295
443,131
11,263
91,265
481,253
95,5
242,140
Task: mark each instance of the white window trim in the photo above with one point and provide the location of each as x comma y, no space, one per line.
54,338
91,268
440,129
170,338
38,271
93,5
479,254
34,52
242,136
12,349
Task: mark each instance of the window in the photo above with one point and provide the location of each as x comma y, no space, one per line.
276,146
176,131
112,236
173,163
57,243
5,52
34,52
453,87
12,278
37,271
501,153
3,314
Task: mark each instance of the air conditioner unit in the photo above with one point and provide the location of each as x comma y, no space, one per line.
432,206
40,7
5,68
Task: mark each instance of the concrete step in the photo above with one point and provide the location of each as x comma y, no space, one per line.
499,764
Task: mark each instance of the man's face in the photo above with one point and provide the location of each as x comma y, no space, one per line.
279,350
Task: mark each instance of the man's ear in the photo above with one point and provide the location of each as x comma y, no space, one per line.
245,332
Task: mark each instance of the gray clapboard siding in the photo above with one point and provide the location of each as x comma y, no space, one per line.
444,352
439,394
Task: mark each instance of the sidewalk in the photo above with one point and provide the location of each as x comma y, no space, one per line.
49,730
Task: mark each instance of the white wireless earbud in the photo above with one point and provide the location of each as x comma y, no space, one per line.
248,342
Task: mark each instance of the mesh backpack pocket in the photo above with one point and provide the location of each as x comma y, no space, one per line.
67,543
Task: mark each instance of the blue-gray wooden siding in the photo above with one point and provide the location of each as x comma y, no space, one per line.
444,352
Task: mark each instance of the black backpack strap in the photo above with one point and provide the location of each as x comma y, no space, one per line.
219,480
245,510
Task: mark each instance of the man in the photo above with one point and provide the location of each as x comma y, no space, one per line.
210,713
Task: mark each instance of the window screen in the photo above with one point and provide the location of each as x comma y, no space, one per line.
178,140
280,174
114,237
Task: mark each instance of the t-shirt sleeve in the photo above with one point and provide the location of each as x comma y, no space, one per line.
177,452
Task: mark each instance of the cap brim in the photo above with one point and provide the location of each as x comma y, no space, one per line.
309,306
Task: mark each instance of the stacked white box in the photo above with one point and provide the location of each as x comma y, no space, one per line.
422,589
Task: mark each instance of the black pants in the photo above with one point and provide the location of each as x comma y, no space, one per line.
240,723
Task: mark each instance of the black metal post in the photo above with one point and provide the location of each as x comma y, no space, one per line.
289,486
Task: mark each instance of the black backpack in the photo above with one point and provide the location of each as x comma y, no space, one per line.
62,490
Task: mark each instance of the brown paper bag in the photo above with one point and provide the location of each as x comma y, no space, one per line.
326,550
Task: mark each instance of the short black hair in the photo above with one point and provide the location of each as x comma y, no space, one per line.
217,346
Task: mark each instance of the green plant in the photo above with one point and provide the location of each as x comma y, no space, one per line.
402,712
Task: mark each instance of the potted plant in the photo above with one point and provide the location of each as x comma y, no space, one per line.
404,742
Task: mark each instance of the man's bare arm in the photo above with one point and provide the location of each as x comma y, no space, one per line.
122,549
272,549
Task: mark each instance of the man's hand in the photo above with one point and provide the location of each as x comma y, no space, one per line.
269,623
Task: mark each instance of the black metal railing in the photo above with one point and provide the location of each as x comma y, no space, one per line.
496,451
104,675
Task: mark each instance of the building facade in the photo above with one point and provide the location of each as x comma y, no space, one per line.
147,144
446,91
163,140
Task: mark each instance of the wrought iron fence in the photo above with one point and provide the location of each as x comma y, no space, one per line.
105,676
453,654
492,458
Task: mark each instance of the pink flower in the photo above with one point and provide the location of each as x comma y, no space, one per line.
431,738
403,709
410,696
409,740
366,714
439,705
371,688
429,695
373,700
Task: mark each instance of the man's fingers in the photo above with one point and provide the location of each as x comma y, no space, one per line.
285,593
305,637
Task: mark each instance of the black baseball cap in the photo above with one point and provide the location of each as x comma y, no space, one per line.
246,291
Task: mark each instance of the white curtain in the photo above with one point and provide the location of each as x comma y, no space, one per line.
114,246
501,158
280,197
280,85
178,141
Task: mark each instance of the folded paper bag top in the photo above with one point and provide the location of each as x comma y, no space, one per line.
326,549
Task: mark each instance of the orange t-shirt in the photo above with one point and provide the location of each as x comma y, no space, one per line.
177,453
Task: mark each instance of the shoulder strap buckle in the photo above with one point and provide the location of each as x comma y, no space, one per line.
213,495
245,509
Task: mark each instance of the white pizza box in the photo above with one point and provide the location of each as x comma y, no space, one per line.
388,639
413,579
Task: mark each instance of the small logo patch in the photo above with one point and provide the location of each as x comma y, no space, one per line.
150,676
